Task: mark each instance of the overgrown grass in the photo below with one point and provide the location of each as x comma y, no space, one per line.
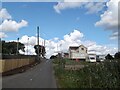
70,62
102,75
74,62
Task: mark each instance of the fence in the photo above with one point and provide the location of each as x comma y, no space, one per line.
13,62
8,57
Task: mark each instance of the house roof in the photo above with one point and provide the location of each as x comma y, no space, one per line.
66,53
75,47
83,46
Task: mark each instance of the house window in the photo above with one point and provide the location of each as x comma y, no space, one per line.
82,48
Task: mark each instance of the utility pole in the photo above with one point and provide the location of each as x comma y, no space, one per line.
38,41
27,45
17,46
41,49
44,48
44,43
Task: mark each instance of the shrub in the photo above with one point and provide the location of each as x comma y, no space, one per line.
102,75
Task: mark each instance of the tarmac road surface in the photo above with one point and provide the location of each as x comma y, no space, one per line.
39,76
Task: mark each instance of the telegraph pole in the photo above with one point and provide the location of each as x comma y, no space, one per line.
27,45
17,46
44,43
38,42
44,47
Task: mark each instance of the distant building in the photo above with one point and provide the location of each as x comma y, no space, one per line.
78,52
91,57
101,57
66,55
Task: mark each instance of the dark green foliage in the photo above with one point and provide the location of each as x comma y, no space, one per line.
99,75
60,62
109,57
53,57
41,50
56,61
117,55
11,47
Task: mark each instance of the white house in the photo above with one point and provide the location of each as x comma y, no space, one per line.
78,52
91,56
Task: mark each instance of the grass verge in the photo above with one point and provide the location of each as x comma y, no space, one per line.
102,75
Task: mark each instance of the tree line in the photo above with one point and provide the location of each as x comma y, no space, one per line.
107,57
110,57
12,48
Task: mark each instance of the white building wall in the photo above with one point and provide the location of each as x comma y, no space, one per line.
78,53
78,56
90,58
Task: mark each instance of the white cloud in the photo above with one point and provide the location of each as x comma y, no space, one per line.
29,43
28,40
52,45
55,39
94,7
64,5
21,52
9,25
75,35
2,35
114,36
4,14
29,50
75,38
109,19
102,49
88,4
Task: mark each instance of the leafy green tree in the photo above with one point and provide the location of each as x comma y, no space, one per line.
117,55
11,47
109,57
53,57
41,50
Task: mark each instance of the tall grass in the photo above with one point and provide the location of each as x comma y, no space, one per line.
102,75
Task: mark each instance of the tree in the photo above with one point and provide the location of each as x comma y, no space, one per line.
41,50
109,57
11,47
53,57
117,55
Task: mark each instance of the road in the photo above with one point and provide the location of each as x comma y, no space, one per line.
39,76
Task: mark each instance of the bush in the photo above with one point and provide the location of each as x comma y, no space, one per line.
109,57
102,75
117,55
53,57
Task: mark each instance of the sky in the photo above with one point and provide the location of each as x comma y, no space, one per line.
62,24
